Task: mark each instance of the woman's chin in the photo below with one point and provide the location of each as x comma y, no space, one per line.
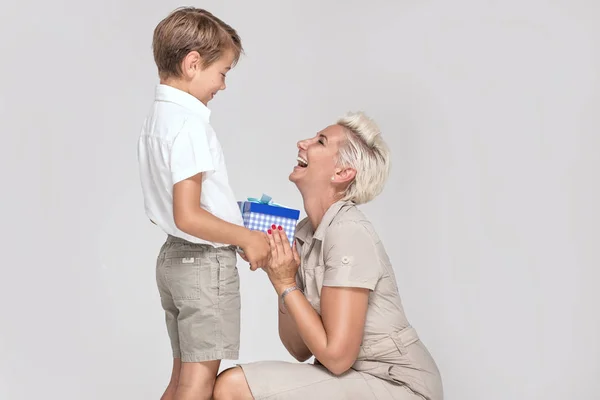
296,174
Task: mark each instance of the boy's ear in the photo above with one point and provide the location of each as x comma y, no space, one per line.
191,64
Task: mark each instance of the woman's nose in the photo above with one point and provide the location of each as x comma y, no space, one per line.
302,144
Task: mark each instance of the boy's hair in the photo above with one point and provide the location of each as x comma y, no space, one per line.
189,29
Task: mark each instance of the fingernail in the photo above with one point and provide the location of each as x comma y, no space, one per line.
273,227
279,227
269,231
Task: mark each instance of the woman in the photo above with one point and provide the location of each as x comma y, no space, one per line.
339,297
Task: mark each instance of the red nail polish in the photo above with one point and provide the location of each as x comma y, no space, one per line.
279,227
269,231
273,226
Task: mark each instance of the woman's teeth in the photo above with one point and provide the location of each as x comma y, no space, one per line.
302,162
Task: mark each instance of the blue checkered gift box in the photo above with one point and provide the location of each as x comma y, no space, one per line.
260,214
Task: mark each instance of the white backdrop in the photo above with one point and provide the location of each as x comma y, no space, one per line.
490,215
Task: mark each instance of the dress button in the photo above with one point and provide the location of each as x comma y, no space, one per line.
345,260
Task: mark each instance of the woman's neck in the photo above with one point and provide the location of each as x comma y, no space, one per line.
316,207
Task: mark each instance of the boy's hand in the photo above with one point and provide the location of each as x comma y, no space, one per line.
257,250
241,253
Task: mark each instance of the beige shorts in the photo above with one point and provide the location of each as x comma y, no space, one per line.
199,289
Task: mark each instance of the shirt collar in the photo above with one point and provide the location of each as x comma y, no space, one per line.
186,100
305,232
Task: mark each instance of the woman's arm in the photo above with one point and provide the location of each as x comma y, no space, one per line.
288,333
334,338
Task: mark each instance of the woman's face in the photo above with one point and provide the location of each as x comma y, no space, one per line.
317,158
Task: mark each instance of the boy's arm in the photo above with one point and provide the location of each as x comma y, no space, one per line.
195,221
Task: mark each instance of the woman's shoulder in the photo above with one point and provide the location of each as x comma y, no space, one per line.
352,220
351,213
353,227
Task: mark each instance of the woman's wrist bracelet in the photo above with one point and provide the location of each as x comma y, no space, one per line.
288,291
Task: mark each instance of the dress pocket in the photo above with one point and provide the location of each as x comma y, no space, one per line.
313,284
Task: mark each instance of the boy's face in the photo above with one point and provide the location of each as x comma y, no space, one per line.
205,83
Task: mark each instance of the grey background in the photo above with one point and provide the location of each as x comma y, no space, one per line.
490,215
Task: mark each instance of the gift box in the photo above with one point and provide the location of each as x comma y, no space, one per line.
260,214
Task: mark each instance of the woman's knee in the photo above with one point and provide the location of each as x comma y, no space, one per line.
231,385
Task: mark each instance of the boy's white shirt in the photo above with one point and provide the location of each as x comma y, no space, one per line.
177,142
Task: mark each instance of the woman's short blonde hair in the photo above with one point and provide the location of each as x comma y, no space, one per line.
367,153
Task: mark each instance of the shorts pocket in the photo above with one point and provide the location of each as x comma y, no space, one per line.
183,277
228,281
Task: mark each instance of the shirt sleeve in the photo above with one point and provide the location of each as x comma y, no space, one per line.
351,257
190,153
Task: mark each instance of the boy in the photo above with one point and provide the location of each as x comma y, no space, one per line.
187,194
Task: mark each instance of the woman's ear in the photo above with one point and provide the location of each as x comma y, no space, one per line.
344,175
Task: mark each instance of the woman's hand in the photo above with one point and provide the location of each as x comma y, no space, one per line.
284,262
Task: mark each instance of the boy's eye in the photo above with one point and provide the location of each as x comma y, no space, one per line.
322,142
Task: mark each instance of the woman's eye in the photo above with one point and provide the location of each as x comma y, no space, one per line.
322,142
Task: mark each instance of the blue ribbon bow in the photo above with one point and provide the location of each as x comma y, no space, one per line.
264,199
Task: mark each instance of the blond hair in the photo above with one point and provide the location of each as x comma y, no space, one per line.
367,153
189,29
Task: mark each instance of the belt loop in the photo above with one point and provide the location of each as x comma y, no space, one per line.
405,338
409,336
399,344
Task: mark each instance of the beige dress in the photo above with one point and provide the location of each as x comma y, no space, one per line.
393,363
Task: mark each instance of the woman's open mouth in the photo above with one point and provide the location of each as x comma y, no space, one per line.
302,163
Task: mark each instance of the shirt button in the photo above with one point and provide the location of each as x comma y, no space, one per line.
345,260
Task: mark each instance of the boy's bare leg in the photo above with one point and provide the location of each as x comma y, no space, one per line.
169,393
196,380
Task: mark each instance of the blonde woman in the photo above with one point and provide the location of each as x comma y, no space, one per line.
339,300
